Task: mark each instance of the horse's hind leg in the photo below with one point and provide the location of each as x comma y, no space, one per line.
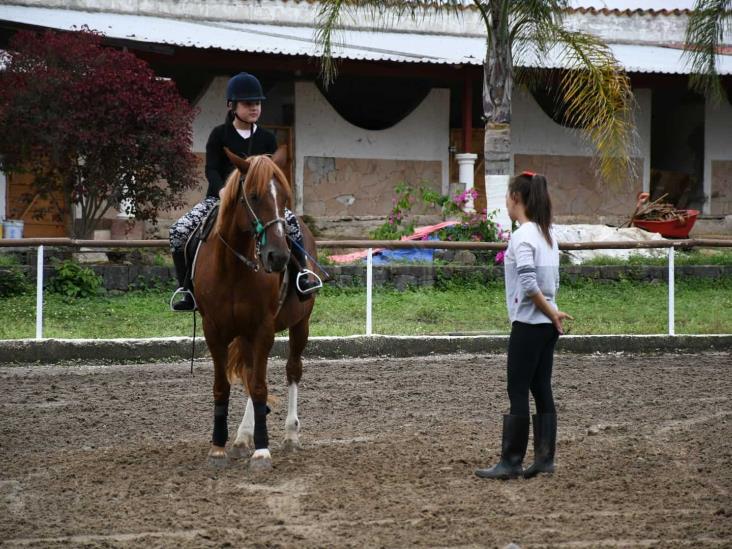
244,442
298,339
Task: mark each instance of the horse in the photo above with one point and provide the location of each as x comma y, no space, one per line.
244,296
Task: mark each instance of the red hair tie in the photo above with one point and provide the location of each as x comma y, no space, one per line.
528,173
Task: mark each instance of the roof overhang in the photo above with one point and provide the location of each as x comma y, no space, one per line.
362,45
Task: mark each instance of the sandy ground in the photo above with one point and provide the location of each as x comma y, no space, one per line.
114,456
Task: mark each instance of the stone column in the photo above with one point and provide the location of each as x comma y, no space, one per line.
466,174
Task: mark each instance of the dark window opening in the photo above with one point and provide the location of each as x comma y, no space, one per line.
677,147
374,103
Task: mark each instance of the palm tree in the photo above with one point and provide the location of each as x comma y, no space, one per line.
593,90
704,34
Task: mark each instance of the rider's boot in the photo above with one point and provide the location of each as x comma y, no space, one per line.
187,303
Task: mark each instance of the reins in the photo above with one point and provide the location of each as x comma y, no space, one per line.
258,228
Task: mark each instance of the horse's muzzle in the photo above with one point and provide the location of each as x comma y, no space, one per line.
275,261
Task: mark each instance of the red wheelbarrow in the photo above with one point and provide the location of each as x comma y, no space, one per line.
677,223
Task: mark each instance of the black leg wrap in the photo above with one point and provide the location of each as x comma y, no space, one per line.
261,439
221,428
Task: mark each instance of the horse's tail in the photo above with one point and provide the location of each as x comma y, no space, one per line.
235,362
235,366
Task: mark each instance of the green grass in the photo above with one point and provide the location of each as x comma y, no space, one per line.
700,256
626,307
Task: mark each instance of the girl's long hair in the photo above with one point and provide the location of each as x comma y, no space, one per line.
532,190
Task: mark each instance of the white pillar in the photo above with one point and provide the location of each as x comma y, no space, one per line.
369,289
39,293
496,187
671,293
466,174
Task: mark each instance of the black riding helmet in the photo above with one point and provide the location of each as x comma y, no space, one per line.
244,87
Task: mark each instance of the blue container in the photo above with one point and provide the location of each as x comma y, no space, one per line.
12,229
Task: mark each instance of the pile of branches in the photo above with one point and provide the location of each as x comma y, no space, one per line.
657,211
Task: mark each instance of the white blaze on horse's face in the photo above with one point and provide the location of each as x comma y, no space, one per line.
275,254
277,228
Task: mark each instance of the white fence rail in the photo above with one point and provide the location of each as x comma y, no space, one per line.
370,246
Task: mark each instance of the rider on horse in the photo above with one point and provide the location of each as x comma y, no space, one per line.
241,135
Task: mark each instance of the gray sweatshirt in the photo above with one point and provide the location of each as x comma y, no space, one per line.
530,265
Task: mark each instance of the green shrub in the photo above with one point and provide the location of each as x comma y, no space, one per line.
73,280
13,282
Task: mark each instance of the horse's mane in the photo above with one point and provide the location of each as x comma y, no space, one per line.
261,171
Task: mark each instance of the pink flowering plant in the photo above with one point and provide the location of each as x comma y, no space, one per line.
475,226
396,224
472,226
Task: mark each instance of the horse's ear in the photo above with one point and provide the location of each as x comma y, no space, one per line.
242,164
280,156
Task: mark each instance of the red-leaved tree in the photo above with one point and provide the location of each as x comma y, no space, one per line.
95,125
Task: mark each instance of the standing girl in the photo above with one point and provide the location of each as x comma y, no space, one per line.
240,133
531,267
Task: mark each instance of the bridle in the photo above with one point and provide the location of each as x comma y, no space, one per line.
258,228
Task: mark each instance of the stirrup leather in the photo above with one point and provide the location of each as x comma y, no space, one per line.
182,291
305,273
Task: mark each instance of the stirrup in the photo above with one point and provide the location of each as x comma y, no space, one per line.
182,291
305,273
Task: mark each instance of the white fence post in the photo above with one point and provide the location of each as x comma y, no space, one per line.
39,293
671,293
369,284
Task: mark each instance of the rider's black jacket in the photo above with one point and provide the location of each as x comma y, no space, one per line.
218,166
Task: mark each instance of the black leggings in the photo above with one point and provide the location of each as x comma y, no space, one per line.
530,358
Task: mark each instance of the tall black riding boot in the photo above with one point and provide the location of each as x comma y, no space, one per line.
513,448
545,443
187,303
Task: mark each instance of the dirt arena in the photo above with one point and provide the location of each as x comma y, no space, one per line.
114,456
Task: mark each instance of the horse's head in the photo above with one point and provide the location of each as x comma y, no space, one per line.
256,196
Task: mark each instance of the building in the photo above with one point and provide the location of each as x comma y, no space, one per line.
408,100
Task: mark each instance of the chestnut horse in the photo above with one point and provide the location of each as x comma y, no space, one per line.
239,277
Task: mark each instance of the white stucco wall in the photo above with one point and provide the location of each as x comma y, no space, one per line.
320,131
534,132
717,142
212,111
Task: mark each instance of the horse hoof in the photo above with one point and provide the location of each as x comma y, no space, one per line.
217,458
240,450
291,445
261,460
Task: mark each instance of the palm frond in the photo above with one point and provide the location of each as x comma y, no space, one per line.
598,98
532,36
331,13
705,32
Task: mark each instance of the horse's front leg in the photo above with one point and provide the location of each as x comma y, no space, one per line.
257,384
298,340
221,389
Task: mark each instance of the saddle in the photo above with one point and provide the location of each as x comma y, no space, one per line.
201,233
198,235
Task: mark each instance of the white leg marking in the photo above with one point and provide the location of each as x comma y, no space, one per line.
292,424
245,433
262,453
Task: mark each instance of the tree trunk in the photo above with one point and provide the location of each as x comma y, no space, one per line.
498,170
497,92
